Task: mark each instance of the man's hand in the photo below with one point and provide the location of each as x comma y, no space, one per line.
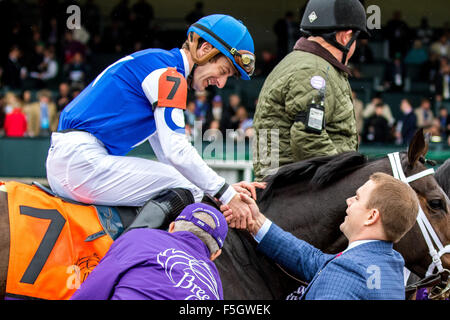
242,216
248,188
258,218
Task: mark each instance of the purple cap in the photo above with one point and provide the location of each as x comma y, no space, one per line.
219,233
217,98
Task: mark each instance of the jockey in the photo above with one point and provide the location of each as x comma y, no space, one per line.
142,97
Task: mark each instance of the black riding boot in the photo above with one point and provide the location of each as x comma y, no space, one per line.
162,209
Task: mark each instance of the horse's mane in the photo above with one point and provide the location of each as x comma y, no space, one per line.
318,171
443,176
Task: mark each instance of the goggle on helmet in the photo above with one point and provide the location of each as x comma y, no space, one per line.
228,36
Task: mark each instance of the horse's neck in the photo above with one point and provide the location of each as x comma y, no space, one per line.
248,274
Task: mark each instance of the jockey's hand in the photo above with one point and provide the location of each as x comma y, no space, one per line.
240,216
227,213
249,188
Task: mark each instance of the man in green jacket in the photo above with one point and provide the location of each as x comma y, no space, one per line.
305,108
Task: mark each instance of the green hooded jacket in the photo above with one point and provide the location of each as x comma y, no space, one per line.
280,137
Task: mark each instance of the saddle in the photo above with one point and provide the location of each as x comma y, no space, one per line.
157,213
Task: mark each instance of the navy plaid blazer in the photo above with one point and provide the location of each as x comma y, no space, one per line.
369,271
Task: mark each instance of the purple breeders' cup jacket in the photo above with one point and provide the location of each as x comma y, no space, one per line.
154,264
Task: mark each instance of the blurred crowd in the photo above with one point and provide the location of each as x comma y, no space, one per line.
417,65
215,118
377,125
44,65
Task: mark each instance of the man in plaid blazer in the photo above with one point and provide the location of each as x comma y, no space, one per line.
380,213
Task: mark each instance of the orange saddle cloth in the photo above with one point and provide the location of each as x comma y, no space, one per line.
49,256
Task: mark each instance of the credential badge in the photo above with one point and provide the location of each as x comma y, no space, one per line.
317,82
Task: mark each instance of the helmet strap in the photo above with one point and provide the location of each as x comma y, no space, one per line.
331,39
193,44
190,78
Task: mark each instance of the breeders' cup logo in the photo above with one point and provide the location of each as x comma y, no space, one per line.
196,275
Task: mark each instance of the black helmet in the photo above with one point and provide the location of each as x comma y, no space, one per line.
323,16
326,17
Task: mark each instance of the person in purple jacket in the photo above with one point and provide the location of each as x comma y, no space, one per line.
159,265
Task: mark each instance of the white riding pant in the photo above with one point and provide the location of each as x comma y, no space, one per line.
80,168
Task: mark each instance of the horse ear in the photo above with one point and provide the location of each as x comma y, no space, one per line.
417,148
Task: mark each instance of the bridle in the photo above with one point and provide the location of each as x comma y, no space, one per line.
427,230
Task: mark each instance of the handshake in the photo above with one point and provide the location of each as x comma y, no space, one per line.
242,212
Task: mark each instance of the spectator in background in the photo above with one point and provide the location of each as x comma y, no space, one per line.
76,71
35,59
441,47
424,32
11,101
53,36
13,70
201,105
26,98
245,124
229,119
417,55
424,114
407,125
394,78
189,113
47,70
359,108
430,70
71,47
75,92
363,52
213,133
15,122
64,97
397,33
435,130
266,64
377,128
286,31
42,115
195,14
442,83
215,112
370,109
444,119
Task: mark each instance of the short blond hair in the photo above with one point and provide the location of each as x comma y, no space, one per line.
397,203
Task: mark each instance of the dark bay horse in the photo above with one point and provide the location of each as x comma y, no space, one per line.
443,176
308,199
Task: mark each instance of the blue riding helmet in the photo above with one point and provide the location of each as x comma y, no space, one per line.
230,37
